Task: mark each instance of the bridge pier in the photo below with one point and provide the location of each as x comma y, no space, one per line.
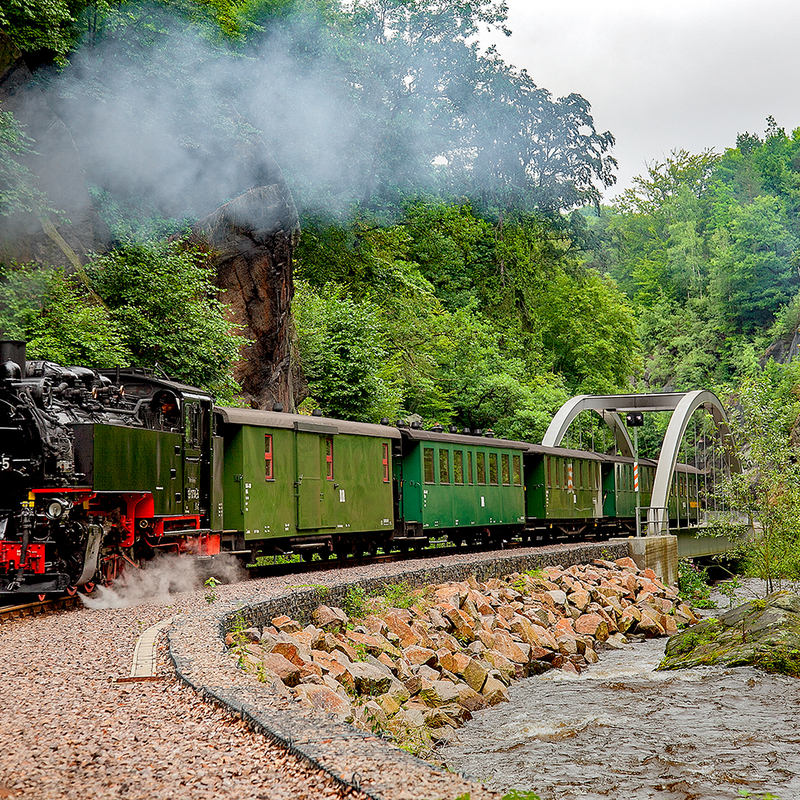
659,553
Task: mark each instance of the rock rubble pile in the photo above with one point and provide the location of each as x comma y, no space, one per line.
420,672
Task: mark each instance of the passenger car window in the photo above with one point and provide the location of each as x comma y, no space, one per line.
427,458
444,466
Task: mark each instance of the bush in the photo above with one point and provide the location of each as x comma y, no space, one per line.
693,584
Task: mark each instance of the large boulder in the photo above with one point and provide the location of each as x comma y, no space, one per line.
252,239
761,633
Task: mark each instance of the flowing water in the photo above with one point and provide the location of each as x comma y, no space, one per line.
622,731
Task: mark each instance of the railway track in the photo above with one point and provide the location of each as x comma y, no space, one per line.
8,613
269,570
64,602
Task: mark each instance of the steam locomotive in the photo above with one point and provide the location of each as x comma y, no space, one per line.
101,470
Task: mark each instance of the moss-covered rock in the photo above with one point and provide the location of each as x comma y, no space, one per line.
761,633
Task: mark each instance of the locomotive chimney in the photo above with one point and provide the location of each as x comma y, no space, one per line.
11,350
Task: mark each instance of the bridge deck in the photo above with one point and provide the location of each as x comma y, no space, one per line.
692,543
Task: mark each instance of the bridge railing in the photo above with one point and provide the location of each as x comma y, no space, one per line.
656,521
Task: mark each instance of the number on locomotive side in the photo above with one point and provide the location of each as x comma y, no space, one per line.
192,494
5,462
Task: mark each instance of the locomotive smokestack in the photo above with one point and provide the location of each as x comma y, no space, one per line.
11,350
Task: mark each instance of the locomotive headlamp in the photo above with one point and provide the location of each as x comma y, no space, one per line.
56,509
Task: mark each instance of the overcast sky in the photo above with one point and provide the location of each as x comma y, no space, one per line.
664,74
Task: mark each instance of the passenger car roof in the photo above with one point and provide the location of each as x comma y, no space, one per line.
417,434
303,423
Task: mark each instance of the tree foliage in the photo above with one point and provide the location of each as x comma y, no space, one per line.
476,323
438,267
707,246
767,491
150,305
60,320
18,191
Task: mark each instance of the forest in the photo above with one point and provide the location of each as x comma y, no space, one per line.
456,259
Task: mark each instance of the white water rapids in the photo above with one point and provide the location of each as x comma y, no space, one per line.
622,731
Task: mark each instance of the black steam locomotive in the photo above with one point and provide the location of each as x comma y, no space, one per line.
96,470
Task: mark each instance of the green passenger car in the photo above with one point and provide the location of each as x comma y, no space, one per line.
684,497
306,484
563,487
464,486
619,494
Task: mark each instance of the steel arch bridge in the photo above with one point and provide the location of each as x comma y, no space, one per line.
682,405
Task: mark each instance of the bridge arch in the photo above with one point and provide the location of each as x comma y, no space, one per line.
585,402
681,404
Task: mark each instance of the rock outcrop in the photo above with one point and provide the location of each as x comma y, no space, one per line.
252,239
418,673
761,633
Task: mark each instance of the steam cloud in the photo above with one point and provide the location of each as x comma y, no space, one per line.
189,126
161,579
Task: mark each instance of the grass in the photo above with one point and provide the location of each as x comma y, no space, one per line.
358,603
693,586
780,661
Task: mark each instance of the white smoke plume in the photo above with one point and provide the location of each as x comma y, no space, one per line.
162,580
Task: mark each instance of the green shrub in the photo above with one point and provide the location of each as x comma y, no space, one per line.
693,584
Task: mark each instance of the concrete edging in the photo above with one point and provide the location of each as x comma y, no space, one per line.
348,756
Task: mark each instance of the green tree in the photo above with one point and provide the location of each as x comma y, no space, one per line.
591,332
755,269
533,152
342,354
59,318
18,192
163,300
768,490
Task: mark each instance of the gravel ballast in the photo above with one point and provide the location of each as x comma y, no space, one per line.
67,730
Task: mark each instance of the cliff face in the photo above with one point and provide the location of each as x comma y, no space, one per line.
58,172
784,350
252,239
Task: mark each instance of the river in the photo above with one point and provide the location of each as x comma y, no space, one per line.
621,730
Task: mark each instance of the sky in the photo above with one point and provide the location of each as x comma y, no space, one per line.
664,74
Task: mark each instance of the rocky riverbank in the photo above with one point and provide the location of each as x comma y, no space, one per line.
415,665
